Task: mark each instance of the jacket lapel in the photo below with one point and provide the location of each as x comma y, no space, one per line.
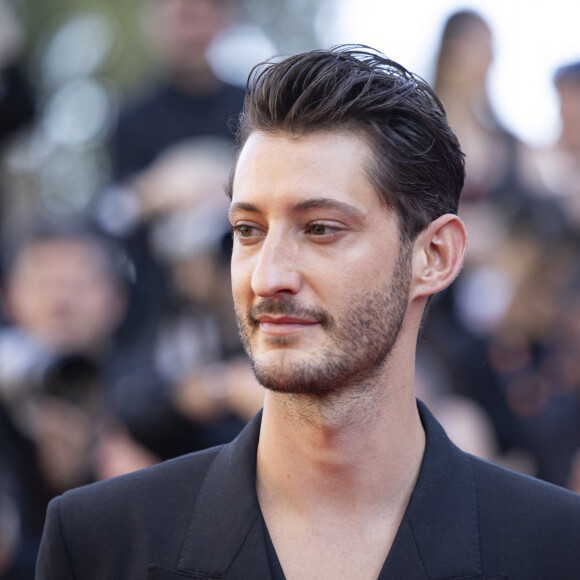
404,559
225,537
439,535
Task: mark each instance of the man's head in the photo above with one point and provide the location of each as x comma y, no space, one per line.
465,54
343,198
567,82
416,167
65,286
183,30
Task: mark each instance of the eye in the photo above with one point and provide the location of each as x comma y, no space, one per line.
318,229
245,232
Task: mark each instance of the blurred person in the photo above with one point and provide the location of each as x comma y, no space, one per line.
534,348
17,98
186,100
498,165
17,106
560,162
64,297
560,169
188,174
340,238
507,332
61,306
73,379
62,290
503,190
567,81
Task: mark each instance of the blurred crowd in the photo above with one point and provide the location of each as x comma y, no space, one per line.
506,336
118,345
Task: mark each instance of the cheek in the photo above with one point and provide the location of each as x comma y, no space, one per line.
362,273
241,274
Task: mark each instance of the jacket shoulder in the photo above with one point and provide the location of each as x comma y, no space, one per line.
526,523
182,475
521,492
133,519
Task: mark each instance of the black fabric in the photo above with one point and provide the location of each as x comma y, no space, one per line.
198,516
17,103
165,116
276,572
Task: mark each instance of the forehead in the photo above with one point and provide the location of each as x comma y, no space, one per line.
281,167
59,254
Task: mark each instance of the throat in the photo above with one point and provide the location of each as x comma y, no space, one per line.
333,494
327,549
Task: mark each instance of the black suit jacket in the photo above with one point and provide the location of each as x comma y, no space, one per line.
198,517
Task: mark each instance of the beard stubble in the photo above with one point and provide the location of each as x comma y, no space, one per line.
362,338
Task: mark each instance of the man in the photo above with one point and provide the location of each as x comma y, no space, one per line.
343,201
63,300
185,101
560,162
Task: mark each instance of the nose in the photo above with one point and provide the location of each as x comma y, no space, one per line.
277,267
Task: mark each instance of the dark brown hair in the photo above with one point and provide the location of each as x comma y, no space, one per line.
417,167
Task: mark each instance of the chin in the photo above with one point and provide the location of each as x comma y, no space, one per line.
291,386
285,373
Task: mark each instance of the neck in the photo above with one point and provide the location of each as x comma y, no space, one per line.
195,78
358,455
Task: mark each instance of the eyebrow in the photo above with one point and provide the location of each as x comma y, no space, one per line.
238,206
313,203
328,203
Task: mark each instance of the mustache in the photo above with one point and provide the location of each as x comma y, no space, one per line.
287,306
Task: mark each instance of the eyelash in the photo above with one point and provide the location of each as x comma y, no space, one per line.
328,230
237,230
309,229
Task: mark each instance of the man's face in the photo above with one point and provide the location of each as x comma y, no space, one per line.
320,279
186,28
569,93
61,293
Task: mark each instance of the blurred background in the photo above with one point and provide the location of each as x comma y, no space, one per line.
90,56
118,348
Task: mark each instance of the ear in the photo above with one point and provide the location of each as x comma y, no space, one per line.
438,254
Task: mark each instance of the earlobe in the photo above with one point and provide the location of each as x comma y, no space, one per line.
438,255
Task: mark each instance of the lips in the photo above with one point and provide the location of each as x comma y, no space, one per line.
270,319
280,325
285,316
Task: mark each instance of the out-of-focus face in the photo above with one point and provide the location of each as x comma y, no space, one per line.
61,292
470,55
569,94
320,282
184,29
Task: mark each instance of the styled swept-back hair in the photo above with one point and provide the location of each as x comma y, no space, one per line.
417,166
